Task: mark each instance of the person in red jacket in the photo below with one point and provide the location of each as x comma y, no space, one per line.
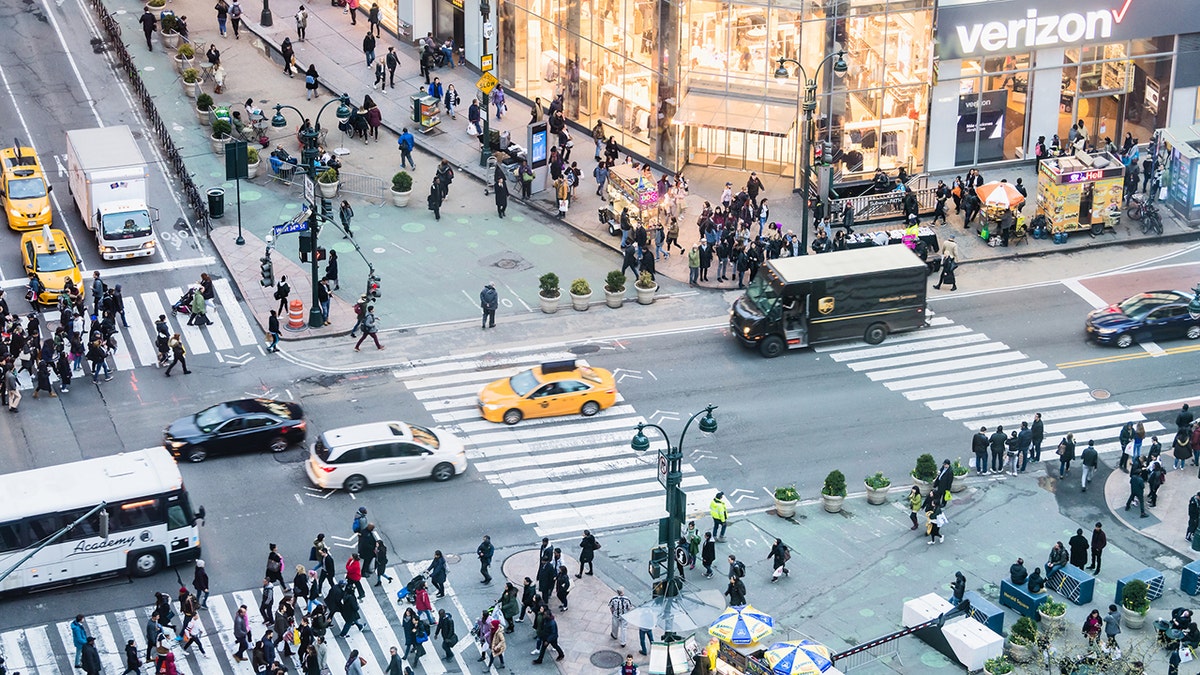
354,575
423,605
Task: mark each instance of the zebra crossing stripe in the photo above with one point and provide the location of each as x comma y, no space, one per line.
968,376
911,347
245,334
143,344
112,656
947,366
989,385
193,339
1009,395
507,449
607,493
425,371
569,487
15,658
925,357
1048,406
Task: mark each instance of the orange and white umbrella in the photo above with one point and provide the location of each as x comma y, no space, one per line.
999,194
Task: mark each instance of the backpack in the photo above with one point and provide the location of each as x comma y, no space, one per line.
358,520
310,80
739,569
235,11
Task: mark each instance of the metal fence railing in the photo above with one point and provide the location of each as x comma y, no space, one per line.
112,35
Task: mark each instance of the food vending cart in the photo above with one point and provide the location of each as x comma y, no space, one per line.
1075,192
629,188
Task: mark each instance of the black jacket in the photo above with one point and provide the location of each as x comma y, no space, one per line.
997,441
979,444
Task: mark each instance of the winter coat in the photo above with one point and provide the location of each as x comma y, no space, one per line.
587,547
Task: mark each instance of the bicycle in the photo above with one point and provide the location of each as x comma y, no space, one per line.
1151,221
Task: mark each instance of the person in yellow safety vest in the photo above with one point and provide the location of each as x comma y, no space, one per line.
718,509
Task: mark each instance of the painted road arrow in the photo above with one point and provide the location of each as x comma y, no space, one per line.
739,494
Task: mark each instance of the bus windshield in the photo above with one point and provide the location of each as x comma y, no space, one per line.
128,225
763,293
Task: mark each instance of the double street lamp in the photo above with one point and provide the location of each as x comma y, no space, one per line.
671,527
808,105
309,135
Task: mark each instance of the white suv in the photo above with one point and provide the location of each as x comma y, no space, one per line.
383,452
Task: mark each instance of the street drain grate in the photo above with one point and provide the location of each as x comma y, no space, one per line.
607,658
1101,394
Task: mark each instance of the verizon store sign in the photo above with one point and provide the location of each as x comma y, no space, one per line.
1006,26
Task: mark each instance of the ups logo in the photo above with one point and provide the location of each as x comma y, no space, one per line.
825,304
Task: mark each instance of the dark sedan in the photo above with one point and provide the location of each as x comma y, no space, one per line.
1145,317
236,426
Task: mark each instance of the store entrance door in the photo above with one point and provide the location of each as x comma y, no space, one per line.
1102,118
448,23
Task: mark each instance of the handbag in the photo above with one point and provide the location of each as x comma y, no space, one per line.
1185,654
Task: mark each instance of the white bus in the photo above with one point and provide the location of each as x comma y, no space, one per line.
151,524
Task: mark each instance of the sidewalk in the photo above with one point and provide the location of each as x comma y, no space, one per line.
1167,522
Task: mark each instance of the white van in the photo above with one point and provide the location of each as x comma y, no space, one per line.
383,452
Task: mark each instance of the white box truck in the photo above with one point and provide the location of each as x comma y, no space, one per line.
110,182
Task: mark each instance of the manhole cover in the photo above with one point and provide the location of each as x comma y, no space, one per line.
507,260
584,349
607,658
506,264
1101,394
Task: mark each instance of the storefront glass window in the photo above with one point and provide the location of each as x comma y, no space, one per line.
1114,89
993,99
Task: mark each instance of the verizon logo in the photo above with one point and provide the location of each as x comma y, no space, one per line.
1037,30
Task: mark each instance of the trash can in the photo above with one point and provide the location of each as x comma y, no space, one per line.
216,202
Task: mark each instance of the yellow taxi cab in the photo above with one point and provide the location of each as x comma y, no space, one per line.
24,189
554,388
48,254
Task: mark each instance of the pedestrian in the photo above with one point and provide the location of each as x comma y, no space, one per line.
693,265
98,358
437,573
370,326
301,589
235,18
1066,453
1193,516
736,591
1155,480
1092,626
445,628
241,633
933,512
708,554
718,508
1079,549
381,562
266,603
162,337
392,59
497,644
452,100
374,118
406,144
949,253
91,657
368,46
548,635
434,201
997,443
501,188
1112,626
979,446
526,174
1037,432
354,663
1090,460
273,332
351,616
1137,488
133,659
149,25
373,20
587,553
645,637
199,310
647,265
312,81
354,572
562,587
301,24
275,566
42,380
288,52
153,633
1139,435
323,300
79,638
499,100
488,301
619,606
281,294
200,583
1099,541
1125,438
325,572
779,555
191,635
484,552
562,192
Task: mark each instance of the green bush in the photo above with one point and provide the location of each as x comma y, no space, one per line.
186,50
614,282
204,102
1133,596
645,280
328,176
402,181
787,493
191,75
878,481
1024,631
168,24
548,283
1053,608
580,287
926,468
999,665
251,155
221,129
835,484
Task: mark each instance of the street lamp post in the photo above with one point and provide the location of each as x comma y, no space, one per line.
808,106
485,151
308,157
265,18
676,498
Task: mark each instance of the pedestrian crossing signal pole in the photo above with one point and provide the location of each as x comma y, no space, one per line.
672,481
485,151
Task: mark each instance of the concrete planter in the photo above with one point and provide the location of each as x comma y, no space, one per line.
252,169
959,484
877,496
401,198
328,190
1019,652
1131,619
169,40
218,144
182,63
190,89
580,303
925,486
614,299
832,504
786,508
1049,621
549,305
204,117
645,296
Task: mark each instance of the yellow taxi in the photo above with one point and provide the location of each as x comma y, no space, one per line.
554,388
24,189
48,254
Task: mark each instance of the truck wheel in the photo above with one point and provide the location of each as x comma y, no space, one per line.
771,346
876,333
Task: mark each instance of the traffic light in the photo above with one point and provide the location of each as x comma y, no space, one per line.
327,209
827,151
267,270
818,157
373,287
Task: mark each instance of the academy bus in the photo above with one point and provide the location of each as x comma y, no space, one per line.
151,523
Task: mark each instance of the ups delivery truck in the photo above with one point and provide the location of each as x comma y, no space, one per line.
798,301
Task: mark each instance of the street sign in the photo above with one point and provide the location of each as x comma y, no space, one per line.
662,468
299,223
236,160
485,63
310,193
487,83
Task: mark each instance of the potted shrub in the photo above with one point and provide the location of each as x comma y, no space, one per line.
168,33
191,82
401,188
834,491
1134,604
614,289
877,488
581,294
252,162
645,288
1052,612
548,294
1021,640
960,472
327,183
185,57
204,106
786,499
999,665
925,473
221,134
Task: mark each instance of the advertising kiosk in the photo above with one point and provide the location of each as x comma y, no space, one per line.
1076,191
1181,154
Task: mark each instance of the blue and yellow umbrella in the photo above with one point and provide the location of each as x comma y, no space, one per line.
799,657
742,625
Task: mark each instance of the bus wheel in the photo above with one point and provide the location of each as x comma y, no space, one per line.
145,563
771,346
876,333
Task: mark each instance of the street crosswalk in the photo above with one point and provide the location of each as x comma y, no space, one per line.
48,649
562,474
980,382
230,329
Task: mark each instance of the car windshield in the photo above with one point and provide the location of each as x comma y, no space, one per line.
762,293
424,436
211,418
321,450
26,188
1142,304
129,225
523,383
57,261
